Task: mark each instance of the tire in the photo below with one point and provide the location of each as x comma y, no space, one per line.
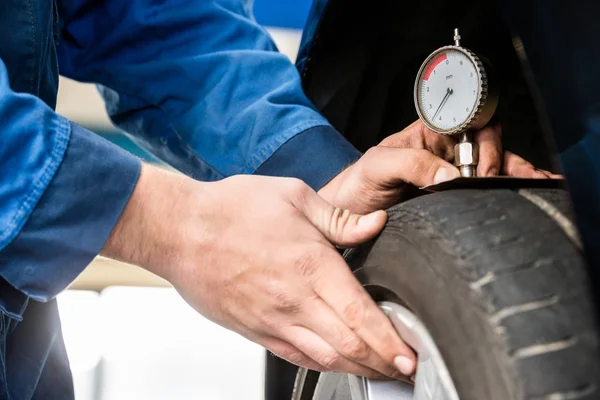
499,284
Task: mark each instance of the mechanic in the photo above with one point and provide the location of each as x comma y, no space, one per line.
202,86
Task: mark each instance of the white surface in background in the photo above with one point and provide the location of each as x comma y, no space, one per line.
81,102
287,41
160,348
154,346
81,325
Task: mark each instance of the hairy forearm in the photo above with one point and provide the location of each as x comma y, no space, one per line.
149,230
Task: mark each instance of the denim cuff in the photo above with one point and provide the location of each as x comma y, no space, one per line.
72,220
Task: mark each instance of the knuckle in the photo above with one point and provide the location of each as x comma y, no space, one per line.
417,158
355,349
419,141
270,323
287,303
420,163
339,220
306,264
295,357
496,153
354,315
498,130
373,152
298,188
388,345
329,361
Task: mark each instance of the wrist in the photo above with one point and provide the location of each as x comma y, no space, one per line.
147,233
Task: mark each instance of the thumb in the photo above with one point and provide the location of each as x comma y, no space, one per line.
341,227
389,166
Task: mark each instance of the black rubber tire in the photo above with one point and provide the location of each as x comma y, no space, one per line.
501,288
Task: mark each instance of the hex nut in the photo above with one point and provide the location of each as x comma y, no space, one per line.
466,153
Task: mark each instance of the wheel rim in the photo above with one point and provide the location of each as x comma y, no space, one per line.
432,381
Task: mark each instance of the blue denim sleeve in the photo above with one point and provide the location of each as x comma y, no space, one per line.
62,190
202,86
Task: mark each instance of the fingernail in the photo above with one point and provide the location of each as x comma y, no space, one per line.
493,172
412,378
445,174
404,365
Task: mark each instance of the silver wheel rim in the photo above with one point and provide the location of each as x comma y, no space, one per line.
432,381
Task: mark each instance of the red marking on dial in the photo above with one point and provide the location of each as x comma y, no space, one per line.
434,64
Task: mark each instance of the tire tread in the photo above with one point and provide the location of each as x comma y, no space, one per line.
530,302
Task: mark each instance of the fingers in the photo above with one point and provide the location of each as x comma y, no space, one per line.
520,168
339,226
492,161
360,314
290,353
551,175
324,322
489,140
324,354
393,166
418,136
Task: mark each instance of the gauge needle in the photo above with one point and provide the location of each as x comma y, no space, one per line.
444,100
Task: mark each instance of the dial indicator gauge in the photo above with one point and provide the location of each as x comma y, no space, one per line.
451,90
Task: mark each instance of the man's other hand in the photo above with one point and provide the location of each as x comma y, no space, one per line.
418,157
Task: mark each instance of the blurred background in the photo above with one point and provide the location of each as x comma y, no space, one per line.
128,334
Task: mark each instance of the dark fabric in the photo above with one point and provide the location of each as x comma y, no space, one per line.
307,157
560,41
37,367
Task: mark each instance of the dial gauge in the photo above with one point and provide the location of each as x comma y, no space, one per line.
453,97
451,91
448,90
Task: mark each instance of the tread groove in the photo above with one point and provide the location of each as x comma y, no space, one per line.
561,220
492,276
523,308
543,348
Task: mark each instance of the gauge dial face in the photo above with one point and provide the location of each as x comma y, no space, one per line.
448,90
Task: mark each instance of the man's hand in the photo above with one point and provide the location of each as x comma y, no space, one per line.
255,255
418,157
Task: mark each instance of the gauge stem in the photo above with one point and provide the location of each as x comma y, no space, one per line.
465,137
456,38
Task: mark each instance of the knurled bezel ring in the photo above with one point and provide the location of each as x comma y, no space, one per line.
482,94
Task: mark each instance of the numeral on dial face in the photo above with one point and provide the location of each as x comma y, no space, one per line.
446,91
